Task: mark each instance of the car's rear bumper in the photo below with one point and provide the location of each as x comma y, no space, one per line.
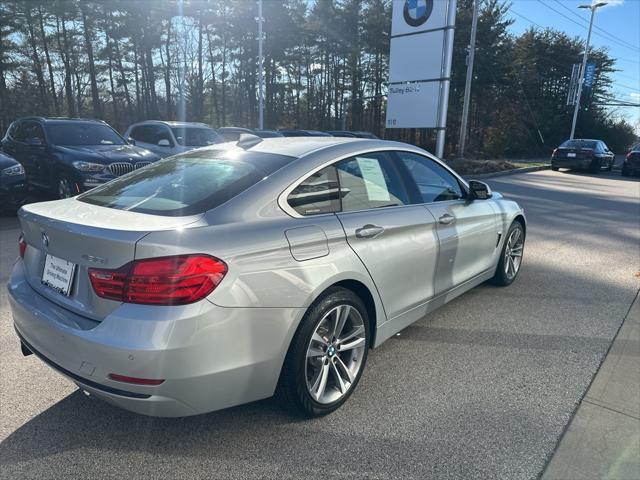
210,357
580,163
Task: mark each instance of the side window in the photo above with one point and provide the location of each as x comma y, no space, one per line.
31,131
434,182
317,194
16,132
370,181
137,133
162,132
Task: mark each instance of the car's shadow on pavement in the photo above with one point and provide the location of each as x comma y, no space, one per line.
78,421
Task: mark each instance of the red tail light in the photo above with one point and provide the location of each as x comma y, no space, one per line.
22,245
174,280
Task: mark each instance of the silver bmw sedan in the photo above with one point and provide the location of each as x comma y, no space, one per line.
235,272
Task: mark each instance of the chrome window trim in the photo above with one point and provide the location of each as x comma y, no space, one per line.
282,198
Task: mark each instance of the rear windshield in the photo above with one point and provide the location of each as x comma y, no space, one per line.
186,184
83,134
196,137
579,144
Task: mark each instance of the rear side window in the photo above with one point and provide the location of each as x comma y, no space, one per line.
370,181
318,194
186,184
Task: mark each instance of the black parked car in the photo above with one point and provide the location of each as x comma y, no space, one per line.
13,184
585,154
631,165
68,156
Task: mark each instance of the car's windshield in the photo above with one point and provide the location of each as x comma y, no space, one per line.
195,136
83,134
579,144
186,184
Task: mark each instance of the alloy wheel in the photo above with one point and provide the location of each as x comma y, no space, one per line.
513,253
335,354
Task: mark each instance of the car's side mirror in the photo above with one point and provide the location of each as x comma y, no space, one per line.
131,141
163,142
479,190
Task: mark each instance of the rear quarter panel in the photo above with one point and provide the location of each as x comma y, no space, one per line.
262,271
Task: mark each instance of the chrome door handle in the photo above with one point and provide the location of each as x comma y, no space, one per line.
446,219
369,231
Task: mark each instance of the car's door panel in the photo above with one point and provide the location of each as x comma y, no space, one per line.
468,237
380,224
467,231
401,259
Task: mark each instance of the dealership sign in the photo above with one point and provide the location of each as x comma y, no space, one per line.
419,63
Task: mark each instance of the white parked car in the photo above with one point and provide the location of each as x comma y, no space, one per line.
171,138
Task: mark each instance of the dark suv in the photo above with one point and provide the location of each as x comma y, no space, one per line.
68,156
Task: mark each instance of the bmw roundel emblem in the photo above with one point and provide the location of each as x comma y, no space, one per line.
416,12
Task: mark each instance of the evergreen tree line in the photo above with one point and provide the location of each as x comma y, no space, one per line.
325,67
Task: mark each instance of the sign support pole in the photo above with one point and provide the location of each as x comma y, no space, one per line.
467,85
446,74
260,69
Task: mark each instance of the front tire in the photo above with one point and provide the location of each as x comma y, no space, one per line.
511,256
555,169
327,355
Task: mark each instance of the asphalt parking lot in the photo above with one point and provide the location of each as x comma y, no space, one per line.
482,388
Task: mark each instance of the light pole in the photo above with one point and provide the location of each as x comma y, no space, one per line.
593,8
260,69
467,84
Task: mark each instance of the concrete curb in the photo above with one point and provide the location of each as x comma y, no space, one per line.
507,172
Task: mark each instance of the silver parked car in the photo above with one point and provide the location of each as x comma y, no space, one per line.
170,138
230,273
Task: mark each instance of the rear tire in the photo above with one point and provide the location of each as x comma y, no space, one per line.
319,374
625,172
555,169
510,256
596,165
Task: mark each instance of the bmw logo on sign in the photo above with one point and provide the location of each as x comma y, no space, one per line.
416,12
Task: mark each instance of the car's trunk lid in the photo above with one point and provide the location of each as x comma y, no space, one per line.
88,236
578,153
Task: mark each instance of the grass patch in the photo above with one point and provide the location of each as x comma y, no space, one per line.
477,167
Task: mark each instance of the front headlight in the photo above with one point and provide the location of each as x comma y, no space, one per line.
88,167
13,171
